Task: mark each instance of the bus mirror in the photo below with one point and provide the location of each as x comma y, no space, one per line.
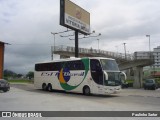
105,75
123,76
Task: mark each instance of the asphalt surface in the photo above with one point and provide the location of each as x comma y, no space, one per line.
24,97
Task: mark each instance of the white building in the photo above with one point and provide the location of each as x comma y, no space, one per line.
142,55
153,70
155,54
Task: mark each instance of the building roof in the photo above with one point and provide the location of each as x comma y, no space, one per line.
157,74
2,42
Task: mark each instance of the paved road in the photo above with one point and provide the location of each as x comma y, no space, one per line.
24,97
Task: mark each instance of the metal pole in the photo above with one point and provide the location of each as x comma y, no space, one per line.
76,44
51,52
125,50
53,48
149,42
98,44
54,45
149,45
54,42
149,48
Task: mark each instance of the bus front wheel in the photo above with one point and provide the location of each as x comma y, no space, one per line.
86,90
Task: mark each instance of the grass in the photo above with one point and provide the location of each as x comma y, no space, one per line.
20,81
130,81
158,80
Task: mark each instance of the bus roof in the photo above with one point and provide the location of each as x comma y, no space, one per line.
73,58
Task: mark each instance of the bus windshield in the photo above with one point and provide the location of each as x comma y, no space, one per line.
111,68
109,65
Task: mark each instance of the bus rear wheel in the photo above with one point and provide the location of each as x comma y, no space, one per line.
86,91
49,88
44,86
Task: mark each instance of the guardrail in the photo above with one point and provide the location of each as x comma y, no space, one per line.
91,51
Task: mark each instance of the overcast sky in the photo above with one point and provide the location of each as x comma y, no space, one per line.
27,26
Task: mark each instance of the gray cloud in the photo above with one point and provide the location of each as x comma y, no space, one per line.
28,24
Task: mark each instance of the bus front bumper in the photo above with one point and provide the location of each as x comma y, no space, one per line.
112,90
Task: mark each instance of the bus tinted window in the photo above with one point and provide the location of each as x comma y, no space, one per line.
48,66
57,66
75,65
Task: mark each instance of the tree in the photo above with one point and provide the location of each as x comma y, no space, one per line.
9,73
19,75
30,75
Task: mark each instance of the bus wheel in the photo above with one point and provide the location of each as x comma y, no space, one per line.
44,86
49,88
86,90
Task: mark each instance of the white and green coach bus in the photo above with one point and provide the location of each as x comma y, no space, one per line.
91,75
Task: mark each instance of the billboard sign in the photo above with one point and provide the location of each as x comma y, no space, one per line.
74,17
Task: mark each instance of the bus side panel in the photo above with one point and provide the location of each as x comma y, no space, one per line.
37,80
81,81
46,77
77,78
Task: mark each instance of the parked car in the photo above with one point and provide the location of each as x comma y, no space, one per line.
150,84
4,85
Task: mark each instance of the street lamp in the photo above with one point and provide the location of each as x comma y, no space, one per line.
149,46
150,50
98,44
149,42
54,37
125,50
54,44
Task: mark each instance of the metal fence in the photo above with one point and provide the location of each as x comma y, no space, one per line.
95,51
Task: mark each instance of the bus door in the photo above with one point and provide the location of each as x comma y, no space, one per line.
97,76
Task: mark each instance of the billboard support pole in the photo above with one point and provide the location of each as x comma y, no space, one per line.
76,44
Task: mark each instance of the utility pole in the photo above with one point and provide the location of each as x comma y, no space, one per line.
53,49
98,44
150,56
125,50
149,42
149,45
55,41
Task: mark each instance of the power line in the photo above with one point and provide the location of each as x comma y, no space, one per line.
31,44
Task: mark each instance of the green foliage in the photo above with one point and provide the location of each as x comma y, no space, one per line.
9,73
130,81
30,75
20,81
158,80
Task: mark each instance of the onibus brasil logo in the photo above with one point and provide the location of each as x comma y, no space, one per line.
64,75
